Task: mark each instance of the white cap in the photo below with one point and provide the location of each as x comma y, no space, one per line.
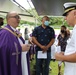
69,6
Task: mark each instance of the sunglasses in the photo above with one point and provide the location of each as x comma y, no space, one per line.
16,16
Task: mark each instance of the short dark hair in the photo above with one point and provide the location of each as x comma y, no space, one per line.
45,17
63,26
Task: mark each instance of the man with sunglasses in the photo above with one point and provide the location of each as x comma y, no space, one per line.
11,47
69,57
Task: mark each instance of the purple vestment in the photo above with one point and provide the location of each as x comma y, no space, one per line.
10,53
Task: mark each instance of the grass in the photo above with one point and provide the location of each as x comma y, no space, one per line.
54,66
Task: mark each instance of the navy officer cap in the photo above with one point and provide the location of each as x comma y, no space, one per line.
69,6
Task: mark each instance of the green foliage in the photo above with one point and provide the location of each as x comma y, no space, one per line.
25,22
57,22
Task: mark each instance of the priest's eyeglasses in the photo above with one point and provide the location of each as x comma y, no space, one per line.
16,16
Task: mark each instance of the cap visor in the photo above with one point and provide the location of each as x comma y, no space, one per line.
64,14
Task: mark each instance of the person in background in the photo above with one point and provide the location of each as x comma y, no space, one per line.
26,34
19,29
1,22
43,36
68,33
62,42
11,47
32,48
69,56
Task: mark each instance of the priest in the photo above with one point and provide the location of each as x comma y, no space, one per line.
11,47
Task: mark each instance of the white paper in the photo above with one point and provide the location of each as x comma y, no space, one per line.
42,55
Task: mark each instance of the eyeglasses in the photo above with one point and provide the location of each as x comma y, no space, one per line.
16,16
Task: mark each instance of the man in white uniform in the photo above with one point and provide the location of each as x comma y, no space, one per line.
69,57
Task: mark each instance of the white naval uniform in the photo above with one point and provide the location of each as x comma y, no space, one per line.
70,68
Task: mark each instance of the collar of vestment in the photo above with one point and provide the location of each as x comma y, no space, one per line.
14,33
13,28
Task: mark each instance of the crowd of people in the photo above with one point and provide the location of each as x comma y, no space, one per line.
16,54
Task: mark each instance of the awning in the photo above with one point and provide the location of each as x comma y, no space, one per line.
8,5
50,7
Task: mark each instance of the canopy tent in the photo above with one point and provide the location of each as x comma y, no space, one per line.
8,5
50,7
43,7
